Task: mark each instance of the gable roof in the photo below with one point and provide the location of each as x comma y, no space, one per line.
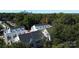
43,25
14,30
33,36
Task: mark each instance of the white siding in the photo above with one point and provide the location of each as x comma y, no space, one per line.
46,34
33,28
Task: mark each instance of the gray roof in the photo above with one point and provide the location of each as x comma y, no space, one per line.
14,29
33,36
42,26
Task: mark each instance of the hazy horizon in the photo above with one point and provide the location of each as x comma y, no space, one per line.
40,11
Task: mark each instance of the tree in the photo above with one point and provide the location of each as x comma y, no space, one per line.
2,43
18,45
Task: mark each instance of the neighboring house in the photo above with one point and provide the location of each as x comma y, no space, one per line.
37,32
11,34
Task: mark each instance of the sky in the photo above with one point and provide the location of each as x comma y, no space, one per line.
41,11
39,6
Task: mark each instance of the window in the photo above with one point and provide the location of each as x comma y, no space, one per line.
13,30
22,28
37,28
14,36
46,26
40,27
8,37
